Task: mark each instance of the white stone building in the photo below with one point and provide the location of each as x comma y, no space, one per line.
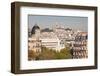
45,39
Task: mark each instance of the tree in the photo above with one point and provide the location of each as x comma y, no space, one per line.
67,52
48,54
31,55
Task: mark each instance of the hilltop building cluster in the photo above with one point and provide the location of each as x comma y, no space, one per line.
57,39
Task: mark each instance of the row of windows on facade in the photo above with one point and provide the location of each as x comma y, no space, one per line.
31,41
79,45
82,54
80,42
78,56
81,38
47,44
37,45
79,48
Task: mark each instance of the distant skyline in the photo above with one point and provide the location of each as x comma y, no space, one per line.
49,21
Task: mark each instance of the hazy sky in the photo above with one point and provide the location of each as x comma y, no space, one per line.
43,21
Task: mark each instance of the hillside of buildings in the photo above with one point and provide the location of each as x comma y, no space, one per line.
56,43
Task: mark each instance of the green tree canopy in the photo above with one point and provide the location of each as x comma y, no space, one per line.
48,54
